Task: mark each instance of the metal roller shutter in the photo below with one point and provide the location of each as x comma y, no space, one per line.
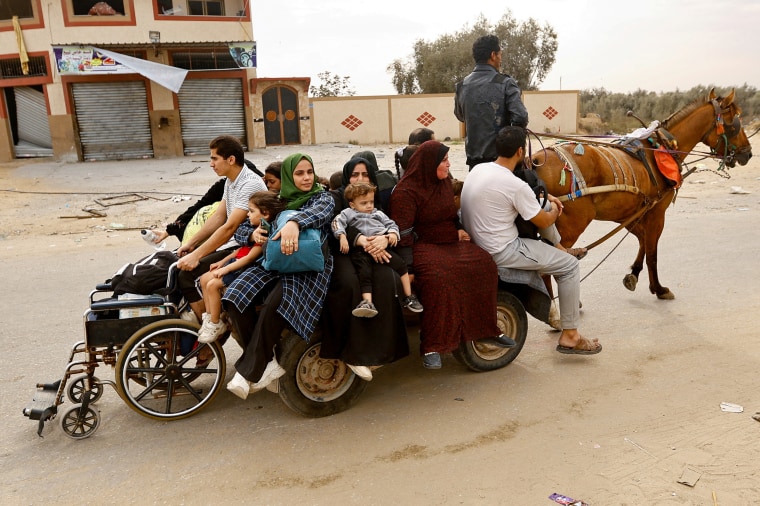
113,120
209,108
33,125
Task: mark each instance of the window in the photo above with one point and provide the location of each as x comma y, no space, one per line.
208,60
10,68
98,12
83,8
201,8
206,7
21,8
28,12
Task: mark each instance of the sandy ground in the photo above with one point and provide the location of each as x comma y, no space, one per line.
619,428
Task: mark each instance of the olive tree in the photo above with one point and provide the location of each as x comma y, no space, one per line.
436,66
332,85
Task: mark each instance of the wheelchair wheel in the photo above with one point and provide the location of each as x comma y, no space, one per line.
313,386
157,380
513,322
80,423
76,389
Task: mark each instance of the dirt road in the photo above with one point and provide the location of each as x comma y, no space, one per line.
619,428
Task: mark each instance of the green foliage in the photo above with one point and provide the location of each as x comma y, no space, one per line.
436,66
649,106
332,85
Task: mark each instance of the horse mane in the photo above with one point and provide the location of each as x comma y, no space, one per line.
684,111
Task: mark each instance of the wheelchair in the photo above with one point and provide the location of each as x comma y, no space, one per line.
160,369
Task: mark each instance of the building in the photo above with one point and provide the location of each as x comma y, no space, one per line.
79,80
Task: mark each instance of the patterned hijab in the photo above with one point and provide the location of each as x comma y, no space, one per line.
288,191
421,174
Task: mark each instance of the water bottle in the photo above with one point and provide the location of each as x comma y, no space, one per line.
150,237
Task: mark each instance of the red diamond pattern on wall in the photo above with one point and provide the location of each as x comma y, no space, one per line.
426,118
351,122
550,112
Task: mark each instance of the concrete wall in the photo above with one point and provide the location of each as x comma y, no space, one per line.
390,119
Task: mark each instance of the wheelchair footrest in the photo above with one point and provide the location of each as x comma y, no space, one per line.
43,406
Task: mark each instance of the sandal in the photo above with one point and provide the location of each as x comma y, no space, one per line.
584,347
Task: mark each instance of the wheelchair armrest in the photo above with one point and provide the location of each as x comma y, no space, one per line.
114,303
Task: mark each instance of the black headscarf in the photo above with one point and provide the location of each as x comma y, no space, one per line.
348,169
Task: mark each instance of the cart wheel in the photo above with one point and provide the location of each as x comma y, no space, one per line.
158,382
313,386
513,322
76,389
80,423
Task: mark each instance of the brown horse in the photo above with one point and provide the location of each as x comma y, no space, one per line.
606,182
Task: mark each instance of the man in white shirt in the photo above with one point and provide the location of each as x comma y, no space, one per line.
492,198
215,239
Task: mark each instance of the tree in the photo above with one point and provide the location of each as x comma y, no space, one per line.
332,85
436,67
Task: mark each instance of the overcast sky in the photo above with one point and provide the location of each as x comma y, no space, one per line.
655,45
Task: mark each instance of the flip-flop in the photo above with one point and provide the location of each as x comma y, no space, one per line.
584,347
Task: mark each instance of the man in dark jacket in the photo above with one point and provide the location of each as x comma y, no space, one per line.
487,101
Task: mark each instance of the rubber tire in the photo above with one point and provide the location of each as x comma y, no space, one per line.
312,386
76,427
131,389
76,388
513,322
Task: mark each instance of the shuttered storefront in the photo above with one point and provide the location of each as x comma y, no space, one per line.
209,108
113,120
33,125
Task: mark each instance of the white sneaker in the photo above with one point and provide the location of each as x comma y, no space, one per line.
239,386
211,331
271,373
362,371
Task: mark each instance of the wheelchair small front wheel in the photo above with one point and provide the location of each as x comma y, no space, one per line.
77,387
80,423
159,380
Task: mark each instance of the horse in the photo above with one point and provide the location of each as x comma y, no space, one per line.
614,182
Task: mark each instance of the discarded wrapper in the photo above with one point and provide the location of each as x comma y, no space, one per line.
689,477
730,407
567,501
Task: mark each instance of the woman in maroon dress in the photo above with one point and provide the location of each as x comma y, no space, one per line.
455,279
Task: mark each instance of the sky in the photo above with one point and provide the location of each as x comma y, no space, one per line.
653,45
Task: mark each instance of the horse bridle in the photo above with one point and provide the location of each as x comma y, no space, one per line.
726,131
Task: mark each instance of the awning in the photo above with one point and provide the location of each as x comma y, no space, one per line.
167,76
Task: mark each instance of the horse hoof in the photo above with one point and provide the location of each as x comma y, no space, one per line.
666,295
629,281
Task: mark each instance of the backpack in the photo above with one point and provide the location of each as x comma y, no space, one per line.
525,228
147,276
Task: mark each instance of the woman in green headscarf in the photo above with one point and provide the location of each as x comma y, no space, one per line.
286,300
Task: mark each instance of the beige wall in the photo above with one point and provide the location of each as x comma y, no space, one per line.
390,119
553,111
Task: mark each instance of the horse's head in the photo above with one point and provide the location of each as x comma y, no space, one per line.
726,138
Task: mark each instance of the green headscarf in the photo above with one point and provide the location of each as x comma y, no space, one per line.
288,191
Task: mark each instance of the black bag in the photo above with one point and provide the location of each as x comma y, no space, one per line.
525,228
146,276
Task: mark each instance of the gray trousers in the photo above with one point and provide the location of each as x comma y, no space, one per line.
535,255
